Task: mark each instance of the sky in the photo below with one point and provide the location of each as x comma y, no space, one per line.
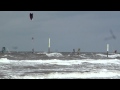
67,30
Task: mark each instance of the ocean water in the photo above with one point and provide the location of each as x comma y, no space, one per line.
63,65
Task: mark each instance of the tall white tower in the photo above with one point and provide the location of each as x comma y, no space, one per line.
107,49
49,46
33,44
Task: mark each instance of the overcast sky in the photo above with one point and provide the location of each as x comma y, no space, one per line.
68,30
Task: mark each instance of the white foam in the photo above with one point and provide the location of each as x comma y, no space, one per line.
71,75
105,61
82,75
7,55
110,56
114,56
4,60
94,73
54,54
59,62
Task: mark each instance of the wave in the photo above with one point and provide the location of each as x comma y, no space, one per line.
71,75
110,56
59,69
59,62
54,54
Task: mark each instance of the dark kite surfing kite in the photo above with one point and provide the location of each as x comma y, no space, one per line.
111,37
31,16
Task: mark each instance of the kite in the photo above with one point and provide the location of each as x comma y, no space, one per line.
31,16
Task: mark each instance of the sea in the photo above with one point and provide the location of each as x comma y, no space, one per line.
59,65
